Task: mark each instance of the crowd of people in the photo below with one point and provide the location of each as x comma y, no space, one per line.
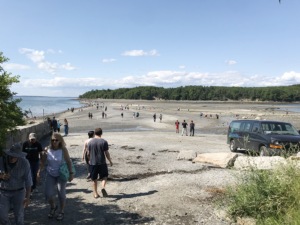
21,168
184,127
55,125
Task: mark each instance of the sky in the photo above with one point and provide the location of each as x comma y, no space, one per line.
65,48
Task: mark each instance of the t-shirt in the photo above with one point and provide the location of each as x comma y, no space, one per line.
184,124
54,123
58,124
32,150
177,123
97,147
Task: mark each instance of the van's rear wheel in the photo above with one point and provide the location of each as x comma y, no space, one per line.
232,146
263,151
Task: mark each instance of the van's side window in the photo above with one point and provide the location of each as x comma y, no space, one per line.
256,125
247,126
242,126
235,126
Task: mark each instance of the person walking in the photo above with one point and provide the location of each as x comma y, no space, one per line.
15,184
133,115
54,124
89,115
184,130
49,123
154,117
97,152
192,128
56,154
160,118
122,116
66,127
34,152
177,126
91,135
102,115
58,126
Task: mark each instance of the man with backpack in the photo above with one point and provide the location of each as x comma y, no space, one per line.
192,128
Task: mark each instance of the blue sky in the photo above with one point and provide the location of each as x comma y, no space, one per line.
65,48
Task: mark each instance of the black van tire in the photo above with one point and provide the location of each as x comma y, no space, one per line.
263,151
232,146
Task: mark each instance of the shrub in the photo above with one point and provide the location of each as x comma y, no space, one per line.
271,197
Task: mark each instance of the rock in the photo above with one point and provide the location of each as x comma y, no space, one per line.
186,155
261,163
221,159
153,153
141,149
220,213
245,221
124,146
258,118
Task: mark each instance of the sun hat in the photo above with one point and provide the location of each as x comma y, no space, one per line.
15,151
32,136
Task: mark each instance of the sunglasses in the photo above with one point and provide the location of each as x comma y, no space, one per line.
54,140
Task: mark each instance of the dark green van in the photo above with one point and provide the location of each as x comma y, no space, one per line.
262,136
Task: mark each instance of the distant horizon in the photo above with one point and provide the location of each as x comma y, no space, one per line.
44,96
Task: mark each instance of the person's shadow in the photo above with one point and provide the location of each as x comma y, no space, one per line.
119,197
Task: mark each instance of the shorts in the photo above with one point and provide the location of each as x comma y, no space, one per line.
98,169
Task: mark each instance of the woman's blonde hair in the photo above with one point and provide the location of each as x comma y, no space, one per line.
59,138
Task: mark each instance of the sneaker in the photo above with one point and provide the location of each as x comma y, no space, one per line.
104,193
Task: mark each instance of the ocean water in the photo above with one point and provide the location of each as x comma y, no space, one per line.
50,104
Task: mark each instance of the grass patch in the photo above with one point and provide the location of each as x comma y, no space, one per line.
269,196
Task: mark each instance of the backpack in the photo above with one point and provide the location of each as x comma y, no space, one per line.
192,125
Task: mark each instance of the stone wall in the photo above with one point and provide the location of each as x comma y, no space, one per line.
40,129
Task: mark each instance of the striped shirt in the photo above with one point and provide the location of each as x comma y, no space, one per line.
20,174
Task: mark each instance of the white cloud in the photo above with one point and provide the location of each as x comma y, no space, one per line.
69,67
169,79
196,67
50,51
14,66
181,67
60,51
109,60
38,57
140,53
230,63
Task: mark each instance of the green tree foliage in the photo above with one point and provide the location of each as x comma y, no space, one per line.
281,93
10,114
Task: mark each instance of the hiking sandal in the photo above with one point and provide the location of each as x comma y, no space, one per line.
51,214
60,216
104,193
